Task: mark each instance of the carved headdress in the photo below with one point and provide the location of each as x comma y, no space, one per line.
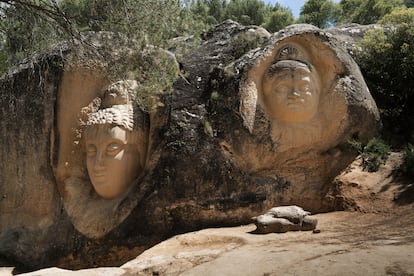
116,106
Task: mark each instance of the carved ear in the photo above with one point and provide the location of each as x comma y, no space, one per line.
248,103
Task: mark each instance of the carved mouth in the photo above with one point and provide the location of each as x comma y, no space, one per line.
99,175
295,103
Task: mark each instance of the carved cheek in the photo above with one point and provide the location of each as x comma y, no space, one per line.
119,156
280,91
116,165
95,161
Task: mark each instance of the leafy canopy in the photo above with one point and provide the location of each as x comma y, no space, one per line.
386,59
366,11
321,13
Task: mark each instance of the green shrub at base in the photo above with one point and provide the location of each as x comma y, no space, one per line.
407,167
373,155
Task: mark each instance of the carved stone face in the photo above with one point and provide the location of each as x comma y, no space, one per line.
290,91
112,159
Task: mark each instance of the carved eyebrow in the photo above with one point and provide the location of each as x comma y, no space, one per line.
280,71
303,70
116,141
106,143
283,72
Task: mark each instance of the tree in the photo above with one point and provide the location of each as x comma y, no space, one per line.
386,61
349,9
409,3
28,26
216,9
399,17
321,13
366,11
247,12
279,18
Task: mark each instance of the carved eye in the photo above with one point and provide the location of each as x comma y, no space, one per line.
91,150
282,89
113,149
304,87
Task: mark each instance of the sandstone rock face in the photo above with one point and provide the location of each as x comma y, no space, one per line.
224,146
30,208
297,101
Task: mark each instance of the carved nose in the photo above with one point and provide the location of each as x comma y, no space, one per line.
99,160
294,94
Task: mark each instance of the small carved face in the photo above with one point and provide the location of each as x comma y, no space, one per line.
112,159
290,91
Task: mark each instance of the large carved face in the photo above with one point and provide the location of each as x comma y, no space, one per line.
112,159
291,92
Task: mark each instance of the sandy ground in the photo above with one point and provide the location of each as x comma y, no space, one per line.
350,243
375,239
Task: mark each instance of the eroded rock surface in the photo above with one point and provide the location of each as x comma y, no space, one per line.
295,103
220,150
351,34
283,219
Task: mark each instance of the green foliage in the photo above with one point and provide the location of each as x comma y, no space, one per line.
399,16
25,32
155,71
216,9
199,19
321,13
214,95
278,18
409,3
357,145
407,166
246,12
387,62
373,155
147,21
4,64
366,11
246,41
77,10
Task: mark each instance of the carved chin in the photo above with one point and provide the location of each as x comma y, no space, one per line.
105,189
294,114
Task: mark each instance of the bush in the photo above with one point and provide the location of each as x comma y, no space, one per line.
373,155
407,167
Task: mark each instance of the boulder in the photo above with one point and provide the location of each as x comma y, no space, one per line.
351,34
283,219
293,128
224,145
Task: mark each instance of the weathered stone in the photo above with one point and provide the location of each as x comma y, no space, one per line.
297,101
30,208
102,271
351,34
217,152
283,219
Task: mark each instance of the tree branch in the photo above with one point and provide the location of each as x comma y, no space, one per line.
47,11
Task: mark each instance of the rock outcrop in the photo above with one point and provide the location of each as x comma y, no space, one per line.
351,34
227,143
